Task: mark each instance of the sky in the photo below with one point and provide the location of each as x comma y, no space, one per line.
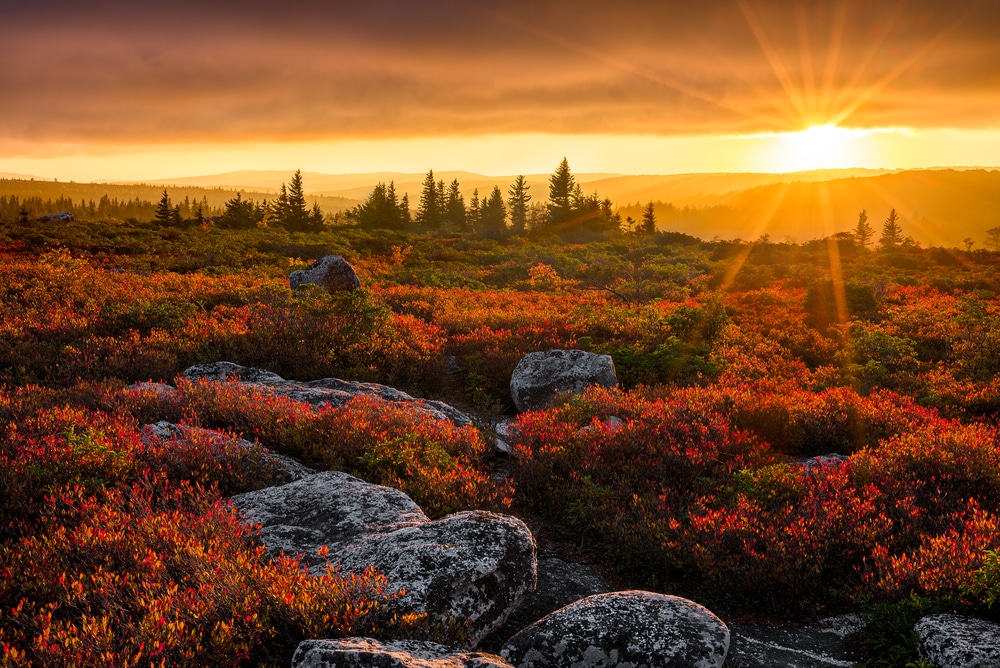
126,90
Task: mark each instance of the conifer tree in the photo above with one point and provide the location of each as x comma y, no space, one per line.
863,231
240,214
473,215
455,206
518,201
892,232
404,208
648,225
493,218
164,216
429,212
561,190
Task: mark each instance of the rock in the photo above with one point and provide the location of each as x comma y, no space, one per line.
613,423
329,508
331,272
283,469
834,643
953,641
326,391
539,376
819,461
559,584
476,566
388,654
628,628
504,431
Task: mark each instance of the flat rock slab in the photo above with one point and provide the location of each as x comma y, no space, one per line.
363,652
953,641
559,584
283,469
832,644
325,391
330,271
539,376
475,566
637,629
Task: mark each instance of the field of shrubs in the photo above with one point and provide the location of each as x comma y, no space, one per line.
738,362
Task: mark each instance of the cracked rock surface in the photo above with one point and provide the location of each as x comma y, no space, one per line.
633,629
330,271
360,652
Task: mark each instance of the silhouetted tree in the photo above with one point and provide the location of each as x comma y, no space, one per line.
518,201
430,210
561,190
240,214
166,215
380,210
493,220
474,213
993,238
648,220
863,231
454,209
892,232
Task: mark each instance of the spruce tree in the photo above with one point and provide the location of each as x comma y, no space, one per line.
164,216
648,220
561,190
472,216
863,231
892,233
429,212
518,199
404,209
493,219
239,214
455,206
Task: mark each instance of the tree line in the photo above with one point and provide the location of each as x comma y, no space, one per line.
569,212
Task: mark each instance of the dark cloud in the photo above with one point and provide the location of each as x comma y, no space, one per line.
123,72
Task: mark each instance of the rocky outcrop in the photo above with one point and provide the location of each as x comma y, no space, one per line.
283,469
331,272
362,652
833,643
539,376
326,391
475,565
559,584
629,628
953,641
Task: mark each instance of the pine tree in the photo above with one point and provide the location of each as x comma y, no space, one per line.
455,206
239,214
518,201
473,215
279,211
429,211
863,231
892,233
164,216
648,225
993,238
380,210
404,208
493,218
561,190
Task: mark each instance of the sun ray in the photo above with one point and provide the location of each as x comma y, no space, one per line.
625,66
760,227
805,55
832,57
833,252
774,59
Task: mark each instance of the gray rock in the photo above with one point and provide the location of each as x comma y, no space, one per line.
283,469
953,641
559,584
331,272
475,566
539,376
630,628
361,652
829,459
326,391
330,508
833,643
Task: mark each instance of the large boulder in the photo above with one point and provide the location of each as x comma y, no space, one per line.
559,584
628,628
362,652
325,391
539,376
331,272
953,641
475,566
833,642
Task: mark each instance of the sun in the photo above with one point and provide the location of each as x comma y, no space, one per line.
818,147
